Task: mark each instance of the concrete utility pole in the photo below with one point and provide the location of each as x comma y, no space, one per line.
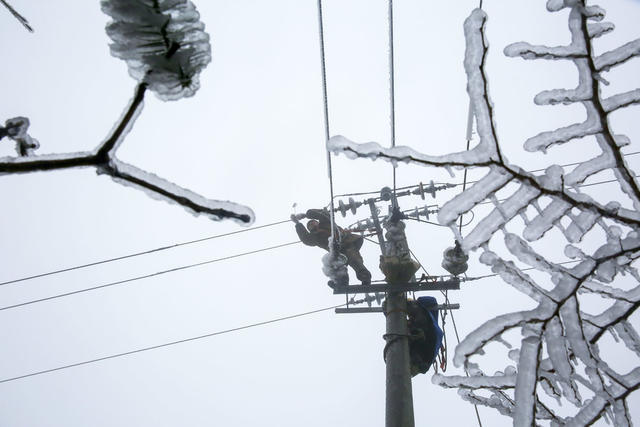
398,268
399,397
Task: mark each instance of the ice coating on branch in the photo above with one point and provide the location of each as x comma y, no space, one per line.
621,100
162,41
547,218
544,140
599,29
526,381
494,180
529,51
372,150
588,168
477,85
513,276
16,129
559,346
629,336
158,188
483,153
454,381
618,56
580,225
476,340
555,5
563,96
504,212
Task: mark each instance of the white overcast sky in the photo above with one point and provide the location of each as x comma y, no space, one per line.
253,134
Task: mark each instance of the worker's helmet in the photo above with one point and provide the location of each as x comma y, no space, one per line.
313,225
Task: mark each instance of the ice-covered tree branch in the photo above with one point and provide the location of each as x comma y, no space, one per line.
18,16
165,47
558,359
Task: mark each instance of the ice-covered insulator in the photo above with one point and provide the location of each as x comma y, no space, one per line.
386,193
342,208
352,206
431,189
425,212
455,260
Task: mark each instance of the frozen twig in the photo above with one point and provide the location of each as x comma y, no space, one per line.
559,348
103,158
19,17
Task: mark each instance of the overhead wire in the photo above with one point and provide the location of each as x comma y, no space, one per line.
634,153
325,110
146,276
189,242
137,254
185,267
168,344
392,89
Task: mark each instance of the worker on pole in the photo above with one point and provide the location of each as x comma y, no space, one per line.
318,232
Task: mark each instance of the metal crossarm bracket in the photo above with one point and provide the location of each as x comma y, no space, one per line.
379,309
441,285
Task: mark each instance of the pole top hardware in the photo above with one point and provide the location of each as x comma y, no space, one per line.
350,310
439,285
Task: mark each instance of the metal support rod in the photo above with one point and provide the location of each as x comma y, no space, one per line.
399,398
442,285
350,310
376,223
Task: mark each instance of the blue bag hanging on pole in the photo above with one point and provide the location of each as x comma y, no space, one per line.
435,334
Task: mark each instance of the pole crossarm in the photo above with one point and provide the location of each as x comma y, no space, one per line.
349,310
441,285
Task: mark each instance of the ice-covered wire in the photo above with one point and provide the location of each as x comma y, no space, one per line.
392,90
168,344
137,254
406,187
325,110
145,276
469,136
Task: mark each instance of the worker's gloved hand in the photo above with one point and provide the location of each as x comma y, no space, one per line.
297,217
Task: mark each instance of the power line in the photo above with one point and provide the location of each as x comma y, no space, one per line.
473,182
325,110
140,350
189,242
523,269
136,254
146,276
392,90
579,186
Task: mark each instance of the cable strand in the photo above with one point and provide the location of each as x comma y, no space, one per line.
155,347
146,276
137,254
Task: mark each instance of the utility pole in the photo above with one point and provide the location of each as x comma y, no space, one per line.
399,270
399,397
